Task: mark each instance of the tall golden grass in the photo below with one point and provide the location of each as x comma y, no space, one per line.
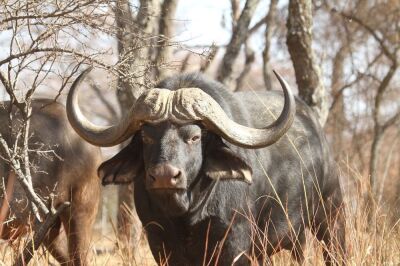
372,238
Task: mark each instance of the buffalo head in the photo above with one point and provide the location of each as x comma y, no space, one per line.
176,139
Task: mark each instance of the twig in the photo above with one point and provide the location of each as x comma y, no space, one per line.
185,63
209,58
250,58
238,37
106,103
56,13
24,258
15,165
53,50
385,49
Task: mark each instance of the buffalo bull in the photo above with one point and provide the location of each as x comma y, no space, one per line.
221,176
66,167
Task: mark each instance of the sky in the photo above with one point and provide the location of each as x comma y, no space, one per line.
200,22
197,23
195,28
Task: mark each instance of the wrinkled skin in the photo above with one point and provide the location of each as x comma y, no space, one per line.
71,176
218,187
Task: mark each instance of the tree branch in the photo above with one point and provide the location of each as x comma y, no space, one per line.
106,103
165,28
385,49
299,42
185,62
338,93
257,25
393,120
270,25
15,165
250,58
238,37
53,50
381,90
209,58
24,258
56,13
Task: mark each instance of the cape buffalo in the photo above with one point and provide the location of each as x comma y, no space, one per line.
66,167
213,183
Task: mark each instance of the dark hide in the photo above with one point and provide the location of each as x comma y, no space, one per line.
117,170
67,168
262,200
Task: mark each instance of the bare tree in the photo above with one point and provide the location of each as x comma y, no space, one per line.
380,126
363,116
239,36
299,42
250,55
141,62
269,29
36,51
249,60
336,110
209,58
337,122
165,32
134,32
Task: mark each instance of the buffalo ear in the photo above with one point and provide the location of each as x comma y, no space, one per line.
222,163
124,166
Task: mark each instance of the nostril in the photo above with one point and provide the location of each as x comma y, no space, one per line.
164,176
177,176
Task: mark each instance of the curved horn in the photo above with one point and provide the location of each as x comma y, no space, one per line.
194,104
181,106
258,138
104,136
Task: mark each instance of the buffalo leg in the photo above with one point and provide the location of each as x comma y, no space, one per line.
265,261
78,222
297,249
78,229
56,243
329,226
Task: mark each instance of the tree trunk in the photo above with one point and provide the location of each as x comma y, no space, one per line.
299,41
129,226
209,58
269,28
125,24
373,163
165,32
380,128
337,120
250,57
239,36
132,36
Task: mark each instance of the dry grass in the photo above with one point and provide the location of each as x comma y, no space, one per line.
369,242
106,250
370,239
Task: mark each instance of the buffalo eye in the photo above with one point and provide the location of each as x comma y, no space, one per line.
146,139
194,139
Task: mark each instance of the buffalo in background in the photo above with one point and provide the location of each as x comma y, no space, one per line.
69,171
212,181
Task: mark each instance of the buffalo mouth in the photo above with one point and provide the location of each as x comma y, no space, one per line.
167,190
172,201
